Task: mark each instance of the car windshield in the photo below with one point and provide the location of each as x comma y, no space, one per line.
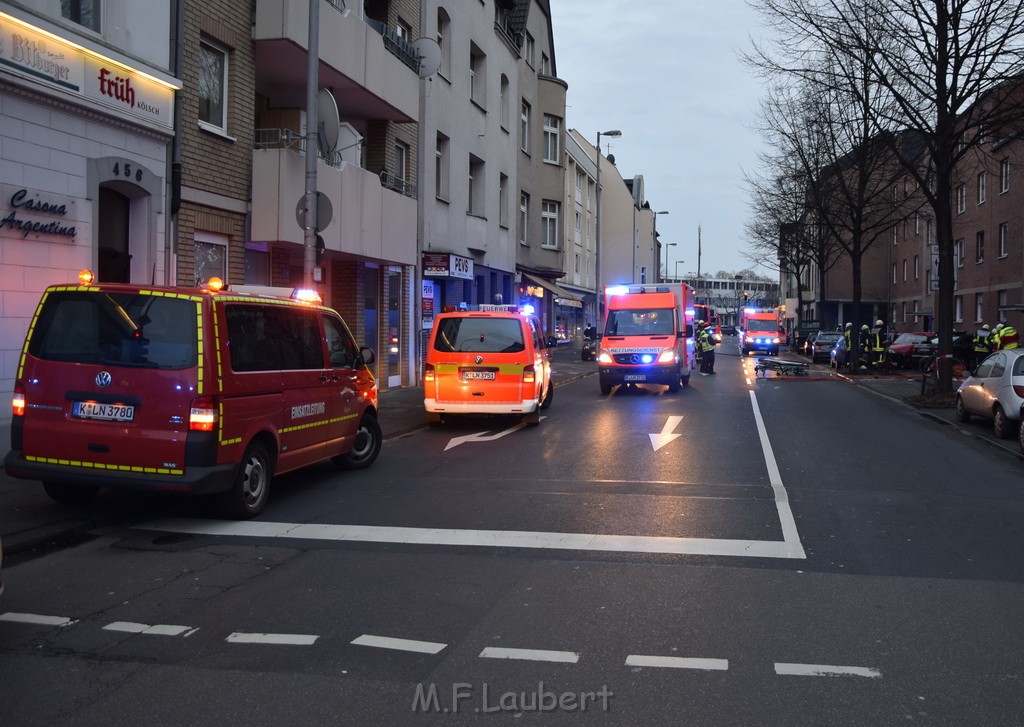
762,326
640,322
125,329
910,338
828,337
480,335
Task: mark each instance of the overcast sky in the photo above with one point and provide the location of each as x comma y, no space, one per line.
667,74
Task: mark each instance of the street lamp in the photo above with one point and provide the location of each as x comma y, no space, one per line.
677,269
597,225
667,246
654,239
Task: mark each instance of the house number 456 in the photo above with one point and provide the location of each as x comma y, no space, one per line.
126,170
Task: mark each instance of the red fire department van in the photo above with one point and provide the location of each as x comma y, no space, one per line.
648,332
183,390
762,330
492,360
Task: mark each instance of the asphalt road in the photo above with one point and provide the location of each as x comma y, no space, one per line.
748,551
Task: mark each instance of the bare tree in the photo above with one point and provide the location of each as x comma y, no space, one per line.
948,70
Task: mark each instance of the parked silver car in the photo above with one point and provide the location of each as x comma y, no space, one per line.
995,390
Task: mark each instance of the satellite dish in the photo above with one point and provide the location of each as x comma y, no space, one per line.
611,158
327,121
429,53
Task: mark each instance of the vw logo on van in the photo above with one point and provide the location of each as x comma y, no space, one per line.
479,359
103,379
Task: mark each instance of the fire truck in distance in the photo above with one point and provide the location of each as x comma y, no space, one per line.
647,336
762,330
707,314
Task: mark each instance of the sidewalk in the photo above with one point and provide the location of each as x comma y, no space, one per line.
30,519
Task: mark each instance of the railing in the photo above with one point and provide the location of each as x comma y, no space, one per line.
397,184
396,44
288,139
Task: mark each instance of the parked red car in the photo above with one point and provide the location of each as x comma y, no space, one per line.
901,352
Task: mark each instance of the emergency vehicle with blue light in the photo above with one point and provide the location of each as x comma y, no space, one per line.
187,390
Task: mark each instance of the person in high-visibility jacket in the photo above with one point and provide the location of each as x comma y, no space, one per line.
876,343
864,346
707,344
994,338
849,356
981,346
1008,338
698,349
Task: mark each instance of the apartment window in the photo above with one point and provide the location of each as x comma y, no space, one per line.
578,226
917,224
894,272
958,251
1004,176
549,224
505,103
552,127
979,250
528,47
211,257
403,30
958,303
213,86
579,187
477,75
979,306
441,167
1001,298
917,267
475,204
904,270
981,188
903,314
1004,239
961,198
894,234
524,127
402,162
83,12
503,200
524,217
443,36
545,64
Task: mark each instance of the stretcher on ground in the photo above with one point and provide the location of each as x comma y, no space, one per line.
780,366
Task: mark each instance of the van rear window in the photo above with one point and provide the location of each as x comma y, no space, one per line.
116,329
480,335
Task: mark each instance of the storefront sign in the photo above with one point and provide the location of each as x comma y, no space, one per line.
427,304
47,60
443,265
29,212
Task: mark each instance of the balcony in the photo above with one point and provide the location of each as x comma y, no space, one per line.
369,220
370,73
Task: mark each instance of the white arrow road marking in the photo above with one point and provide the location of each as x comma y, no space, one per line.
666,436
483,436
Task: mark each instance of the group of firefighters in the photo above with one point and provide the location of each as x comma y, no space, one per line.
872,342
704,346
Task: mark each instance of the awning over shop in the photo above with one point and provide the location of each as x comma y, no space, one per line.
561,295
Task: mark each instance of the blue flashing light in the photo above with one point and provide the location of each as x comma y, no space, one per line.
690,312
527,309
646,358
616,290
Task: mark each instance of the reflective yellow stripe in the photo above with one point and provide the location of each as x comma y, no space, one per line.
102,466
28,334
321,423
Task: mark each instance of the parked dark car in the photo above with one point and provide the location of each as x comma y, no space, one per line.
963,343
824,342
728,330
807,345
589,351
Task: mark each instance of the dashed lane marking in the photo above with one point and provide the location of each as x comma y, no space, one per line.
276,639
35,618
156,630
825,670
564,657
386,642
678,662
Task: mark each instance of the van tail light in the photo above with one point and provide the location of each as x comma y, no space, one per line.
18,401
428,374
529,375
203,415
1019,390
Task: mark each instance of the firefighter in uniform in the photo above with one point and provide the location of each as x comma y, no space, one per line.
849,355
864,347
981,345
877,345
1008,338
698,332
994,338
707,346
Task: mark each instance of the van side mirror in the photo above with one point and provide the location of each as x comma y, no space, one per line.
366,355
688,332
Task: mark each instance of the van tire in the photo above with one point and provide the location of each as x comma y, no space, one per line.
365,447
248,495
434,419
606,389
549,397
69,494
533,418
